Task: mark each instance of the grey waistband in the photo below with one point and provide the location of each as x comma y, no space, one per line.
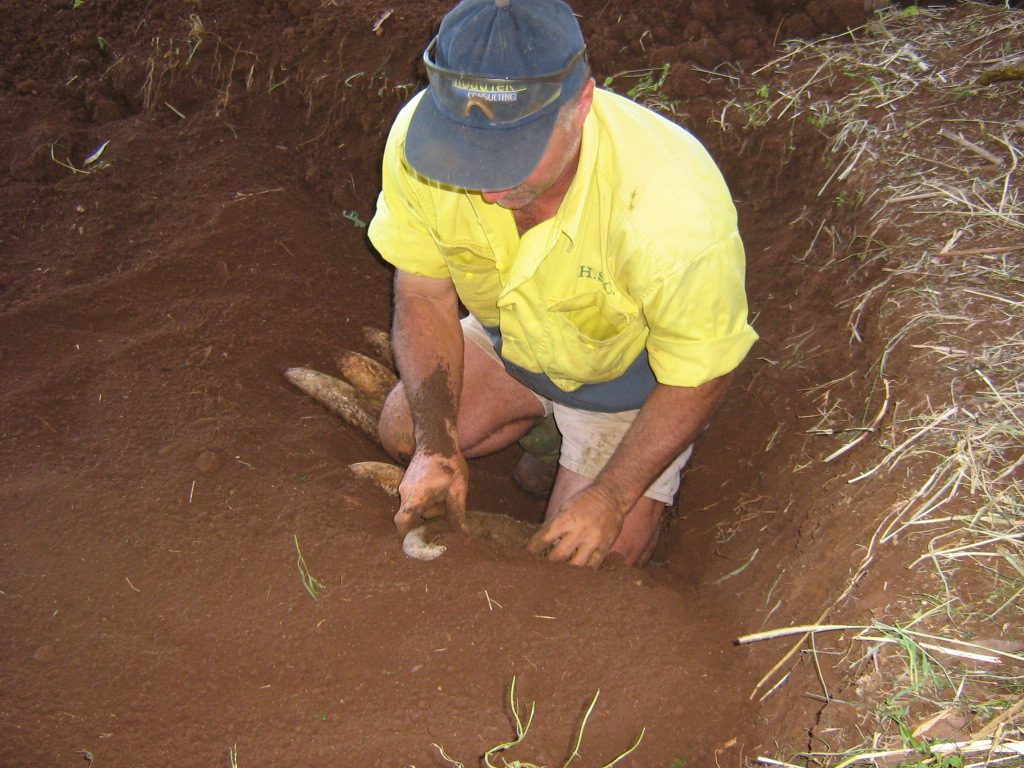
625,393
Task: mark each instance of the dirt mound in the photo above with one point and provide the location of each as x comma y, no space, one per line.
186,187
337,72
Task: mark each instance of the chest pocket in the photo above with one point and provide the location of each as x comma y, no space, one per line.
465,256
593,338
475,276
590,317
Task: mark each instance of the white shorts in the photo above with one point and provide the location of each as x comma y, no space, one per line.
589,438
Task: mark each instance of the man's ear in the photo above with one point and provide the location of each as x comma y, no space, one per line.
585,100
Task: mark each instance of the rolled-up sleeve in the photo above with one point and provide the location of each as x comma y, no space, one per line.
697,316
399,229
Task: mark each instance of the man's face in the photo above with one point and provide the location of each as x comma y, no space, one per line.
557,166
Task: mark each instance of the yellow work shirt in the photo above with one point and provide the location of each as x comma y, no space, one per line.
643,254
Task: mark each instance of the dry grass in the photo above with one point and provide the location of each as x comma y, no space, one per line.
918,144
173,59
522,722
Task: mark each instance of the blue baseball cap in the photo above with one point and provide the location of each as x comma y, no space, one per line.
499,72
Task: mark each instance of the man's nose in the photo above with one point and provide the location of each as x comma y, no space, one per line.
494,195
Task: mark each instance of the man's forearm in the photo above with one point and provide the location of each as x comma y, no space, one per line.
428,351
668,422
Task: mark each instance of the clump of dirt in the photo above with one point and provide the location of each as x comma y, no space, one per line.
162,480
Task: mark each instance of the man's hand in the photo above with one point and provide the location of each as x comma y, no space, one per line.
584,529
429,352
433,485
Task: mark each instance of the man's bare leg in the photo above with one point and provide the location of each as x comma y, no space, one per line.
495,410
640,529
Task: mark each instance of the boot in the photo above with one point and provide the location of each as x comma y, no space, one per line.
536,470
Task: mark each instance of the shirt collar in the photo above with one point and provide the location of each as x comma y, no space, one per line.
570,212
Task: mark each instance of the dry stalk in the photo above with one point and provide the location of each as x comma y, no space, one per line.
962,295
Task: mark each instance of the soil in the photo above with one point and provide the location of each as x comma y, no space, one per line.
162,484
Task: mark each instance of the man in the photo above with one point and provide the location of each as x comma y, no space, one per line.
594,245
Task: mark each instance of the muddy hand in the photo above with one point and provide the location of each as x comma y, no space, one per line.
583,531
433,485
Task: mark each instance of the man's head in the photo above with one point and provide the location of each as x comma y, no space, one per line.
500,72
554,172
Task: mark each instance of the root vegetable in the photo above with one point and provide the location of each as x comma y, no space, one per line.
387,476
421,543
380,341
367,375
338,397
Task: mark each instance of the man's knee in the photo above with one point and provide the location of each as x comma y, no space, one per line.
395,425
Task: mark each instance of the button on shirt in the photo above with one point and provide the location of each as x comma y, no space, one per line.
643,255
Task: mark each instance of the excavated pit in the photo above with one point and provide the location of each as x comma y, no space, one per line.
161,479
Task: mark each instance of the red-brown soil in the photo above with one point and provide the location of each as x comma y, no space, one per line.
157,470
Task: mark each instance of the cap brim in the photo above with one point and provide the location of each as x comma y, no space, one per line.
474,158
